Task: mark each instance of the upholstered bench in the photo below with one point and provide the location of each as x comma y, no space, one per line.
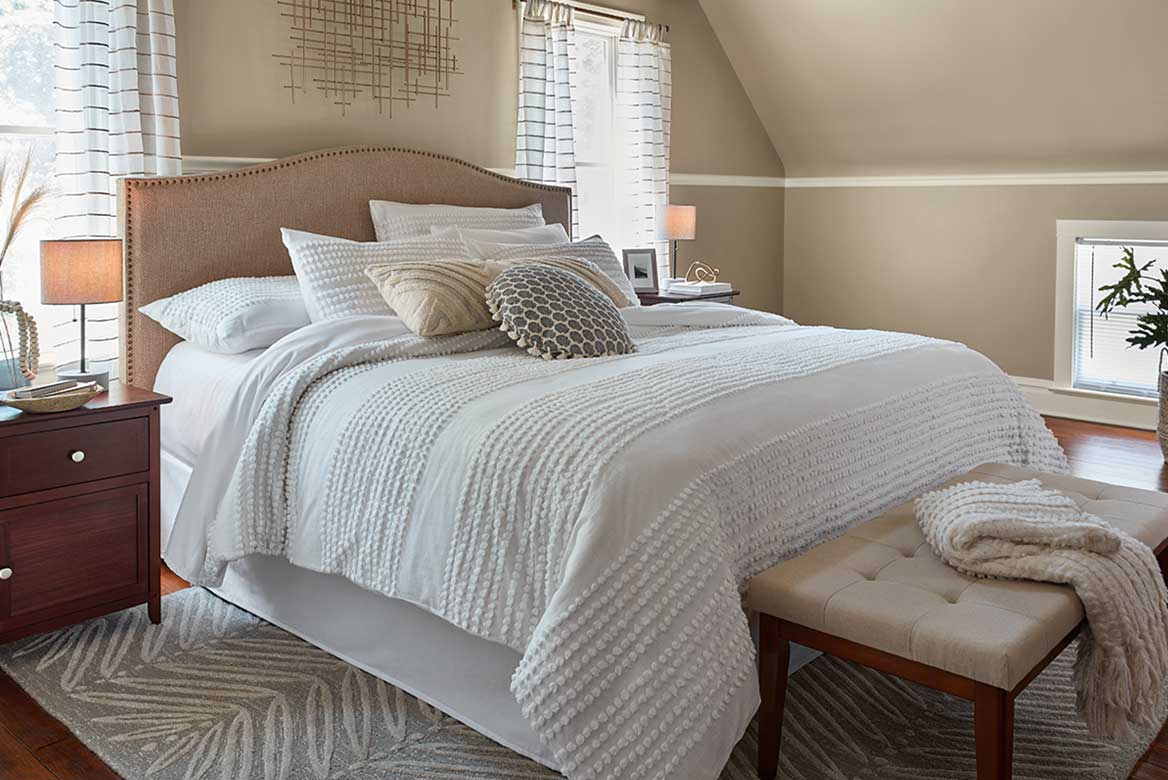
878,596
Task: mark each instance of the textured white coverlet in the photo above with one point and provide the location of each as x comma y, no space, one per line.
1025,531
597,516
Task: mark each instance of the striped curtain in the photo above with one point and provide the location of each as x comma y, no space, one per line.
644,88
116,115
545,148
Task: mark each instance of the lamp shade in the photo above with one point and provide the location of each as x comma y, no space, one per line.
81,271
677,223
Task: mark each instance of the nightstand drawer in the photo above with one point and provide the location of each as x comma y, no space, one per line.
69,456
72,554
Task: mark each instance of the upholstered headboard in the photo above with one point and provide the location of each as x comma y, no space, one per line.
184,231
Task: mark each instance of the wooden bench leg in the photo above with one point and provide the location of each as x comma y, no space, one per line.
774,656
993,723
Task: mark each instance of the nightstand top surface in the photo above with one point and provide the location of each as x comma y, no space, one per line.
664,297
119,396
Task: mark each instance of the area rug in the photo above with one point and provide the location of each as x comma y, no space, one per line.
214,692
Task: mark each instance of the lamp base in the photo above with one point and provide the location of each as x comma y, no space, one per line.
101,377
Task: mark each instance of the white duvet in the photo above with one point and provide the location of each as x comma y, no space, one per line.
597,516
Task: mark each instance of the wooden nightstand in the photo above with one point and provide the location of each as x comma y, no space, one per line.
652,299
79,512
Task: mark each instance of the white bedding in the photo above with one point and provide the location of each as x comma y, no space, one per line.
564,510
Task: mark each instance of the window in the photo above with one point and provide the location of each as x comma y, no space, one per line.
1092,350
26,130
597,145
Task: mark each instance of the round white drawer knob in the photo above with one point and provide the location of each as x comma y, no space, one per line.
5,574
77,456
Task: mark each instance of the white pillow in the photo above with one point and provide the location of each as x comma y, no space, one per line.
394,221
592,249
541,234
332,270
230,316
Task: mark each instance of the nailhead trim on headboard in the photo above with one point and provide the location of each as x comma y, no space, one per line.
132,184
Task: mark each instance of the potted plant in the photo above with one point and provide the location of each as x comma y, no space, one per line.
1140,286
19,352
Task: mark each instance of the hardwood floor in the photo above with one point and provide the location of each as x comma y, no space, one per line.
34,746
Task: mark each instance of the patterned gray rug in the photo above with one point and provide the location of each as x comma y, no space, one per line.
215,693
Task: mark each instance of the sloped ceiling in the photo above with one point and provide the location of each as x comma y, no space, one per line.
887,87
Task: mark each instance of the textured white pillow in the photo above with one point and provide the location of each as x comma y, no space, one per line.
592,249
394,221
332,270
541,234
230,316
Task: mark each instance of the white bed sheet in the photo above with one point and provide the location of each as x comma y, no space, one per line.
201,384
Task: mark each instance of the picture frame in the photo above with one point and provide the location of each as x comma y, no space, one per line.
641,268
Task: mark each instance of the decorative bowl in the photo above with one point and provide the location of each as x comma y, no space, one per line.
63,402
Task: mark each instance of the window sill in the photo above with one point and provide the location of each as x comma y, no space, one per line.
1106,396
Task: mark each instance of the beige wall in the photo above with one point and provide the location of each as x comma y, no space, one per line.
973,264
233,103
740,231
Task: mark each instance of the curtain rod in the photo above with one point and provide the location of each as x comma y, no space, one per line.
594,10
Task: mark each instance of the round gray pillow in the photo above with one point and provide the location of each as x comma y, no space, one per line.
556,314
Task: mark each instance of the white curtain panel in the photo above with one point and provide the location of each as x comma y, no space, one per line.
545,147
644,87
116,115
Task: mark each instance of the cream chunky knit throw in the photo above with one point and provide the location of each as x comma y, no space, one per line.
1024,531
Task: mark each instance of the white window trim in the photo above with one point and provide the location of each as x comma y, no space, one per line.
1121,409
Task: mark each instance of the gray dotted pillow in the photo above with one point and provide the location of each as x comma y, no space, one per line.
555,314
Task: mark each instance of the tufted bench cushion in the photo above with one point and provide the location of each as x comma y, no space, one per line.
881,586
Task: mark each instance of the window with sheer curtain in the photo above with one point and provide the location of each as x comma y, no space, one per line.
26,132
1103,360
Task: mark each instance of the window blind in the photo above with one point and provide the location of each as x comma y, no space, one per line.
1103,360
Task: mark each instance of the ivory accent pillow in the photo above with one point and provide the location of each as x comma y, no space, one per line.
555,314
437,297
543,234
394,221
594,250
443,297
332,270
235,315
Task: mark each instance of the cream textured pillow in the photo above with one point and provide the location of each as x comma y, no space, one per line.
443,297
594,250
555,314
437,297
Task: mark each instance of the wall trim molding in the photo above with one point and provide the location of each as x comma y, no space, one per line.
207,164
984,180
1107,408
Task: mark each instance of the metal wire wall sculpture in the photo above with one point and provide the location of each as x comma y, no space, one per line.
389,52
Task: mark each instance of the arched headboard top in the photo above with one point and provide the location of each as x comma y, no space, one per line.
183,231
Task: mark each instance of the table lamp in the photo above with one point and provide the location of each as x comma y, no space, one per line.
677,223
78,272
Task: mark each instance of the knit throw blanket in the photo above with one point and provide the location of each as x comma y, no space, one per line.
1024,531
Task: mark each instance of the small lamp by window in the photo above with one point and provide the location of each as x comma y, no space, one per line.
77,273
677,223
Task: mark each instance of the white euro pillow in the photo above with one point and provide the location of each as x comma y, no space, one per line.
331,270
230,316
393,221
593,249
541,234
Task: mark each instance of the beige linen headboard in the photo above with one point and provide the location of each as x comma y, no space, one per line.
184,231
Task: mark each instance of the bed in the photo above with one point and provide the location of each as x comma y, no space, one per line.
551,553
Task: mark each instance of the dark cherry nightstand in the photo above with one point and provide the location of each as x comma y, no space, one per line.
652,299
79,512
